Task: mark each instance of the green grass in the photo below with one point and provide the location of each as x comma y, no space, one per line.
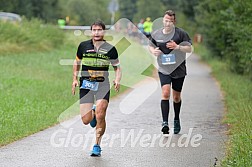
29,35
238,100
36,89
149,71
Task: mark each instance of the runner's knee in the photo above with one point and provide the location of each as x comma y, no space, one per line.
176,96
166,94
85,120
176,99
100,116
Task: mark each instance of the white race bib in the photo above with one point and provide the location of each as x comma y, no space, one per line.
90,85
168,59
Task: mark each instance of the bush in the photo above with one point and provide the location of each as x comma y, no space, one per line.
228,29
241,25
28,35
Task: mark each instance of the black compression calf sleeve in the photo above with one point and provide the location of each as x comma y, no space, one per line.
176,110
165,109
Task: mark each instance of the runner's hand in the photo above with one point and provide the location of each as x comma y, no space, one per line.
117,86
171,45
157,51
74,84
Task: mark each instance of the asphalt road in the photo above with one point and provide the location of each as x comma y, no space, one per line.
134,138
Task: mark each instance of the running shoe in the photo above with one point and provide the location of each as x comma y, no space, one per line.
93,122
177,126
165,128
96,152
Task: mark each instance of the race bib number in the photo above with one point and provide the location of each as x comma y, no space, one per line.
168,59
89,85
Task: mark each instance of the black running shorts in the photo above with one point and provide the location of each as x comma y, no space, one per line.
177,83
89,96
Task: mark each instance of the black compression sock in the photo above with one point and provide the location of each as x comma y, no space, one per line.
165,109
176,110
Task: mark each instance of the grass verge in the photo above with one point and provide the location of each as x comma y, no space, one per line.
238,100
28,36
35,89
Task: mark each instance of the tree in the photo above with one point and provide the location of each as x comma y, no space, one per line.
46,10
228,29
86,12
149,8
188,8
128,9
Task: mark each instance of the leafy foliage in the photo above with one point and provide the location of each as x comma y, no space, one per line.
29,36
228,29
128,9
149,8
85,12
47,10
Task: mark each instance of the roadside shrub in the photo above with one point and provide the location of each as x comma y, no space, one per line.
29,35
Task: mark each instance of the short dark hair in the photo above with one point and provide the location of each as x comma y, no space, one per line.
98,23
170,13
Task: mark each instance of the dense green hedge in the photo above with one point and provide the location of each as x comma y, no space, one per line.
227,29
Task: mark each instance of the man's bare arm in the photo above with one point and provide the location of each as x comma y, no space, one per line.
118,76
76,69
